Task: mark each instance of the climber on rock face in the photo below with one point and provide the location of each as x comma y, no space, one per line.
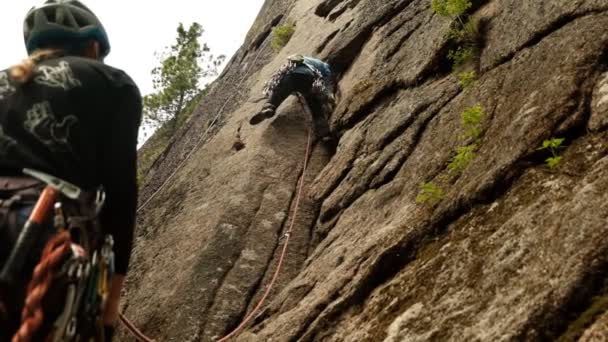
310,77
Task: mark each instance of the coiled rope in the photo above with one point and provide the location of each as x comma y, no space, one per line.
32,315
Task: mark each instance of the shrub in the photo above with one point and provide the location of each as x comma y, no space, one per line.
464,155
429,192
553,145
464,32
450,8
281,35
461,56
471,121
467,34
466,78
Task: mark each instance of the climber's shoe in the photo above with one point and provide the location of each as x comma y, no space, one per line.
330,142
266,113
256,119
321,128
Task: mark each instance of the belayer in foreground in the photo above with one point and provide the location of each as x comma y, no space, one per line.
73,120
310,77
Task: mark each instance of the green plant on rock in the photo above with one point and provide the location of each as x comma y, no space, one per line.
464,156
450,8
553,145
466,78
466,33
461,56
429,192
471,121
281,35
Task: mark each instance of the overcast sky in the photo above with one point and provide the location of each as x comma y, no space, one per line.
138,28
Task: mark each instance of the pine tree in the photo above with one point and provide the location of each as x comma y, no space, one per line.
176,80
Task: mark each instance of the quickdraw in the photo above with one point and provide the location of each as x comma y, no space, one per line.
85,276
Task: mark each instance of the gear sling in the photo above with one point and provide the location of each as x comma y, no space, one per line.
72,262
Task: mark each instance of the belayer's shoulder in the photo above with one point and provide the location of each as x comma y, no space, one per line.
115,76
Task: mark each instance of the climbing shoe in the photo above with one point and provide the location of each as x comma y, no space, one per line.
267,112
330,142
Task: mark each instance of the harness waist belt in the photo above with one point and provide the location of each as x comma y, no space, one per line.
13,183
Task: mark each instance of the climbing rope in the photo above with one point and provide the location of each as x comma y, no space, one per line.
32,315
287,235
133,330
123,319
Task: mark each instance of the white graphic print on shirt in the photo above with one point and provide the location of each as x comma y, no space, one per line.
60,76
5,87
42,124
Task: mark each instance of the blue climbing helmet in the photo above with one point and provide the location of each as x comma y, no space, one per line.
63,21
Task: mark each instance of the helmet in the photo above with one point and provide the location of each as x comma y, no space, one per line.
60,20
297,58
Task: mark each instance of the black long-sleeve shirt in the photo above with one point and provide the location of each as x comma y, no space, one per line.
77,119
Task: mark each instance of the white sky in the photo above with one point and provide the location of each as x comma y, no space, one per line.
137,29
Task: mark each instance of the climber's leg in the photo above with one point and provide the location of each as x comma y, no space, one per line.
289,84
319,118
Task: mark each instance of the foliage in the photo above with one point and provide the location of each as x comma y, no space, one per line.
471,121
450,8
552,162
461,56
429,192
466,78
281,35
464,155
553,145
467,33
464,32
176,80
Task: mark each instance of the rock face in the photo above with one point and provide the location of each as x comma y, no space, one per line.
511,250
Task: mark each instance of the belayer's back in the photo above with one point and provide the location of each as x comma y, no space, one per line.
60,121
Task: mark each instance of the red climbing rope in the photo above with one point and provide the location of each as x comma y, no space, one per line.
133,330
143,338
283,252
32,315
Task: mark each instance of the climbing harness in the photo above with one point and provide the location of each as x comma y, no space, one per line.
75,261
286,236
